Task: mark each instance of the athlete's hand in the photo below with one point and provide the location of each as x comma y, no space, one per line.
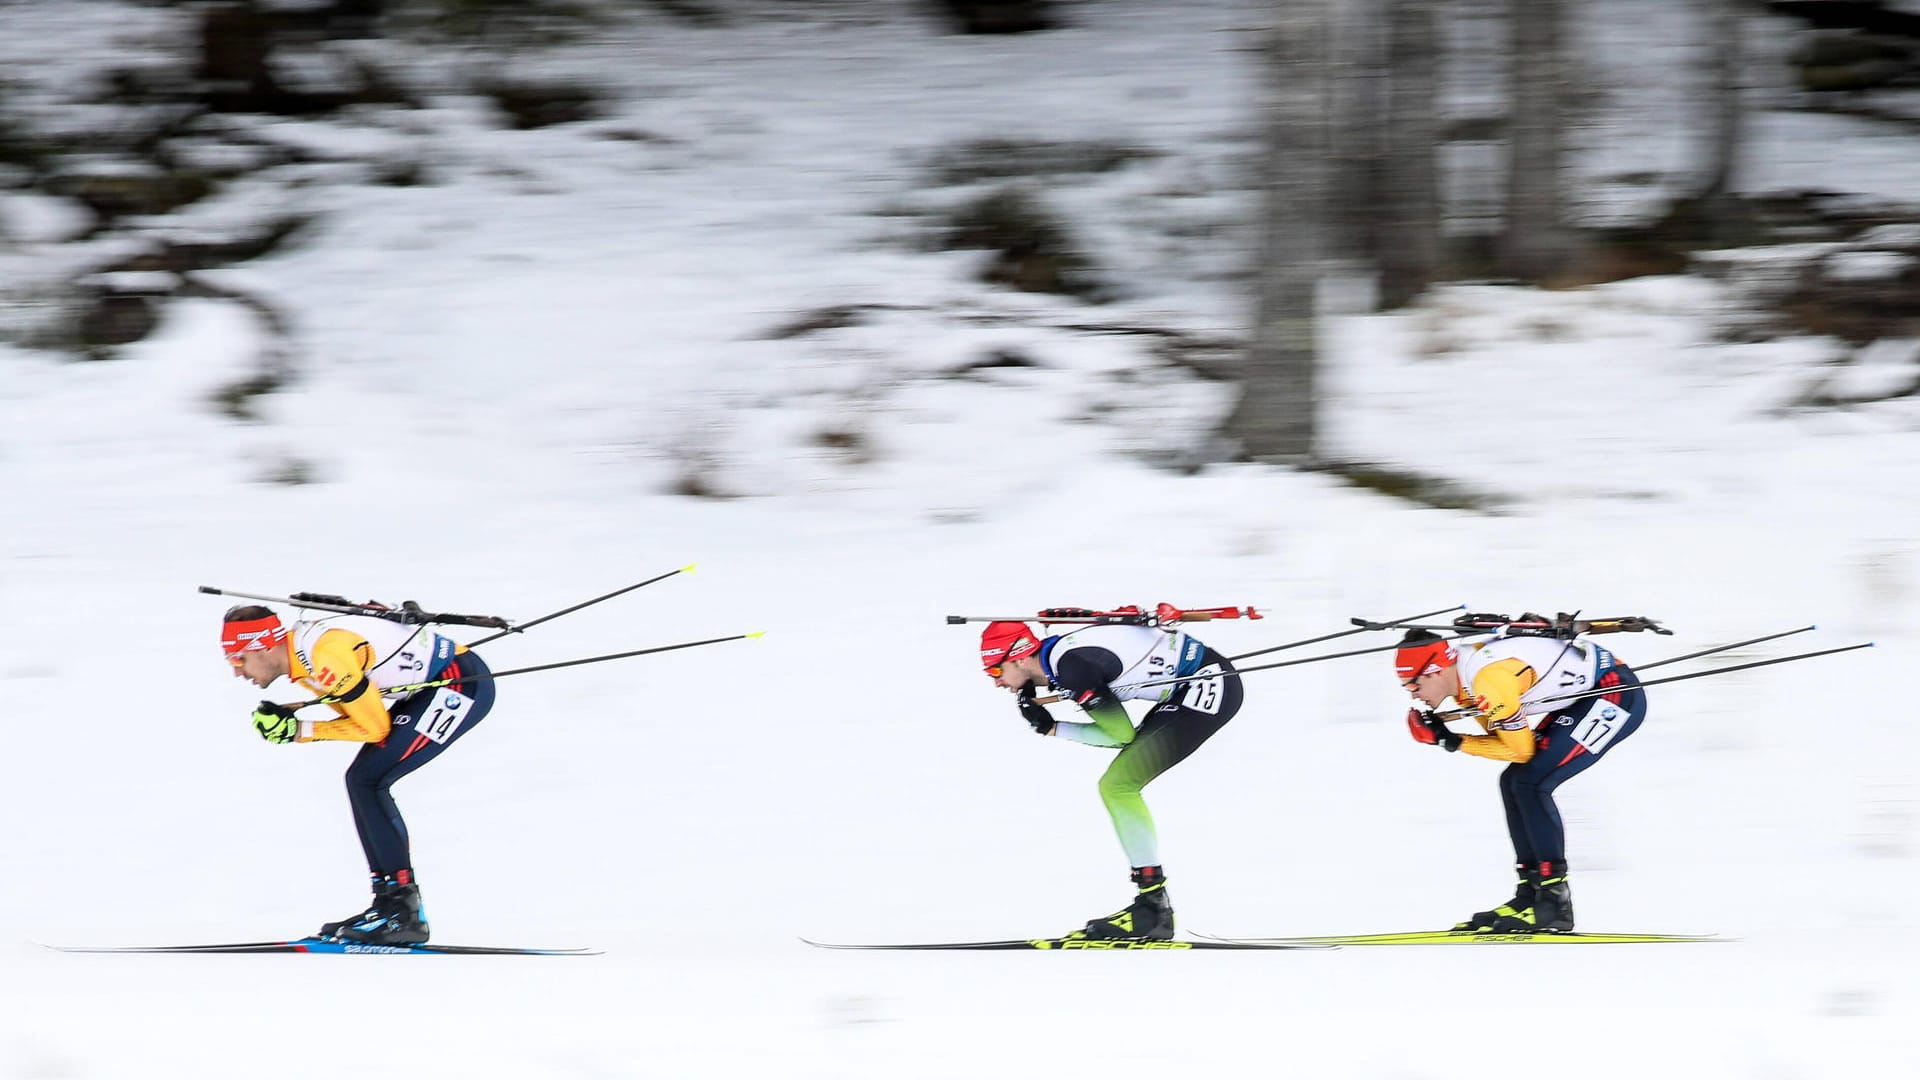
275,723
1035,714
1431,730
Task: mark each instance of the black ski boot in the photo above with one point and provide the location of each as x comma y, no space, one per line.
381,886
1148,918
396,917
1522,899
1552,909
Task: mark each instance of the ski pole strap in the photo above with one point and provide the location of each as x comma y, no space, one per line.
1361,626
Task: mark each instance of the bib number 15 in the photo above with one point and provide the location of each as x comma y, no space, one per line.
1205,695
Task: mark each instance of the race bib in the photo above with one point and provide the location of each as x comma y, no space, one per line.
1596,729
441,719
1205,695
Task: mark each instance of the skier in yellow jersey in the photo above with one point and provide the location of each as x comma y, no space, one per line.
1512,686
348,661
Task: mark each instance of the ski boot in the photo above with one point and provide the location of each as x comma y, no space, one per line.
381,885
1522,899
1148,918
1551,911
394,918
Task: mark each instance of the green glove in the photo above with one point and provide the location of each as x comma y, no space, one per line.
275,723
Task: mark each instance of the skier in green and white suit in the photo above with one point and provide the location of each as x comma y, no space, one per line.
1098,668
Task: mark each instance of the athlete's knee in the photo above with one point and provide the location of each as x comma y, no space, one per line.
363,783
1119,786
1522,779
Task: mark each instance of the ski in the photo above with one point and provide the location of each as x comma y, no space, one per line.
1067,944
325,945
1467,937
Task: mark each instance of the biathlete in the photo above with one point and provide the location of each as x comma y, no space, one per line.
348,661
1098,668
1514,688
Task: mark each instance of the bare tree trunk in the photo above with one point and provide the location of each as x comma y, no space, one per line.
999,16
1409,257
1356,104
1535,243
1725,120
1275,418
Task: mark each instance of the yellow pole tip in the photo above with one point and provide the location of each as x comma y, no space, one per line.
756,633
687,569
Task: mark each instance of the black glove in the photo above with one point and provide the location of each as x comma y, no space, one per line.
1035,714
1430,729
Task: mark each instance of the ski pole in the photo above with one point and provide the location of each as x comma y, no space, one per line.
1719,649
413,687
1343,633
1605,690
522,627
408,612
1286,663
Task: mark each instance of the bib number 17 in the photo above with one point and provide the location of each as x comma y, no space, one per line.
1595,730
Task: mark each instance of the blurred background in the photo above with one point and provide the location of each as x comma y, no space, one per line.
884,310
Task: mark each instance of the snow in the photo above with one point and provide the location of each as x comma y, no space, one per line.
503,373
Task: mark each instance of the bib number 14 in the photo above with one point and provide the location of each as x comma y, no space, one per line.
444,717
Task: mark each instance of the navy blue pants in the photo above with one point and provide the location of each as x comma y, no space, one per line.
424,724
1566,744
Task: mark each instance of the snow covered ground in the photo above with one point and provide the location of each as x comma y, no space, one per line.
504,372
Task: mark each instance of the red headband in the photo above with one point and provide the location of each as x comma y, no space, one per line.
251,635
1425,659
1002,643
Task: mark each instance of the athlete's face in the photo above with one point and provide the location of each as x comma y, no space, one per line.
1015,674
1434,687
259,667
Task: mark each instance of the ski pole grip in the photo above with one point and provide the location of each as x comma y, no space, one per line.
956,620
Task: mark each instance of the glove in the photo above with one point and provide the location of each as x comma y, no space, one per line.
1035,714
275,723
1431,730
